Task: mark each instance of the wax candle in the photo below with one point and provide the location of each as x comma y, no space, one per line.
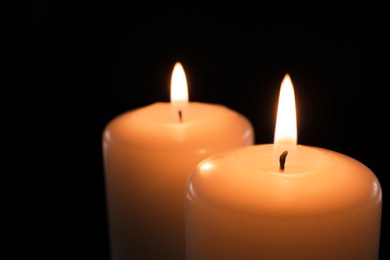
148,154
283,201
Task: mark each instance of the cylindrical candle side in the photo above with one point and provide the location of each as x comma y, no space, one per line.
147,157
324,206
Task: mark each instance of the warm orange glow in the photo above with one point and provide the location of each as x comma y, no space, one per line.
179,91
286,119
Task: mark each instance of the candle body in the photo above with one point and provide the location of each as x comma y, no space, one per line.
148,155
324,206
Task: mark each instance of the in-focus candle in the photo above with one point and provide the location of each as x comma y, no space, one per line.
283,201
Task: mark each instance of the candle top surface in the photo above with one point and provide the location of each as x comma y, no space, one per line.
315,181
158,125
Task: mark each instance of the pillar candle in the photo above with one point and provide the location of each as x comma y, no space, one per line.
283,201
148,154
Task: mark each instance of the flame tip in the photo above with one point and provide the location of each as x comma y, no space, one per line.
286,126
179,91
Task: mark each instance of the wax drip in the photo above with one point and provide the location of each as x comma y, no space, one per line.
282,160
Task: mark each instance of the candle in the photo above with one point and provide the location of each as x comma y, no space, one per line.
282,201
148,154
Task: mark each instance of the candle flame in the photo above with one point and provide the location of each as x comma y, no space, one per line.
179,91
286,119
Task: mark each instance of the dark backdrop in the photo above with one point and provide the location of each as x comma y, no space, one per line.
76,66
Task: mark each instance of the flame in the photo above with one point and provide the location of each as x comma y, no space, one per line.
286,119
179,89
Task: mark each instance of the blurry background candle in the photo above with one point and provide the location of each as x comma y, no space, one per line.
148,154
242,204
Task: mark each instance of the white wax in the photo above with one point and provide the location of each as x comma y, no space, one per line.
324,206
148,155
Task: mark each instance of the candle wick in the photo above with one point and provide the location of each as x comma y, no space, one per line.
180,116
282,160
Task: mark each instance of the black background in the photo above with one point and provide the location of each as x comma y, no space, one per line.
74,67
